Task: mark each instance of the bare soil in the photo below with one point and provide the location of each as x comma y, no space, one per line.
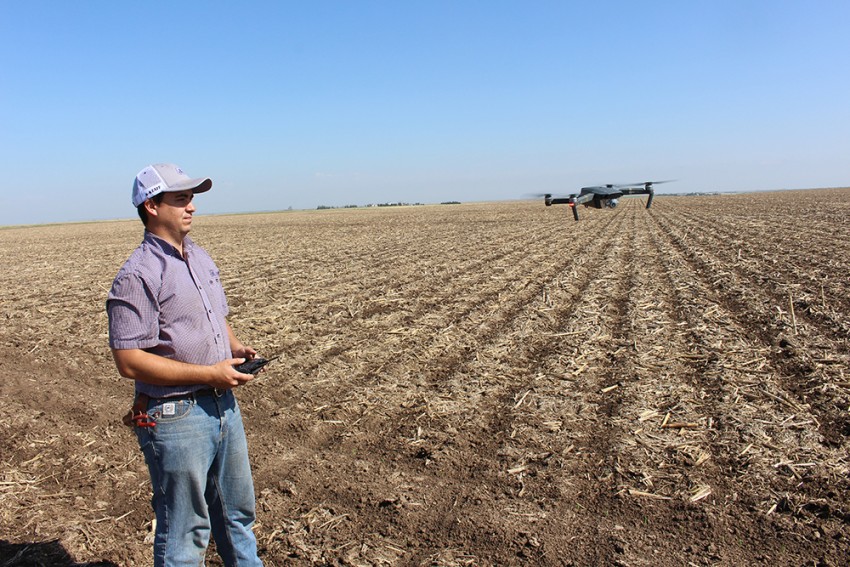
478,384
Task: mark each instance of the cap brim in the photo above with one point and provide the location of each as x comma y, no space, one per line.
198,185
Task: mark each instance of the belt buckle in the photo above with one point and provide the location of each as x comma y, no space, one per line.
217,392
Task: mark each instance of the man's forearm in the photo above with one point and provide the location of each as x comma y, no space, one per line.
156,370
153,369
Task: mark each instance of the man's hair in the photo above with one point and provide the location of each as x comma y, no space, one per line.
143,213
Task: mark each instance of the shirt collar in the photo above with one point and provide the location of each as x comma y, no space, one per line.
166,246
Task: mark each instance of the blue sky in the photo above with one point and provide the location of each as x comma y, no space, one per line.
300,104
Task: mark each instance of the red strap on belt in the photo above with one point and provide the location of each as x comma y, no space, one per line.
138,414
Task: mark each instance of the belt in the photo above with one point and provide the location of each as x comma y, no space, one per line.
203,392
217,392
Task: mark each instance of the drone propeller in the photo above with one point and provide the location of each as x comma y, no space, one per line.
646,184
550,195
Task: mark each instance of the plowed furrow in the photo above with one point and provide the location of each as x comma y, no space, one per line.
805,356
535,453
763,429
805,272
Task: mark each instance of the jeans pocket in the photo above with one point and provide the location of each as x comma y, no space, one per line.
164,411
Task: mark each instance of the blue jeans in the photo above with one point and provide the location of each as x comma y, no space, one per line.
197,457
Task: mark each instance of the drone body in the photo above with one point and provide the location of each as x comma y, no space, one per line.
602,196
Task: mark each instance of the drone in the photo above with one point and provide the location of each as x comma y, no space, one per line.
601,196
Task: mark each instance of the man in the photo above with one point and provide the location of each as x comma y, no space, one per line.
168,332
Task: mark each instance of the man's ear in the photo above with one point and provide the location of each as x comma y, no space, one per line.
150,207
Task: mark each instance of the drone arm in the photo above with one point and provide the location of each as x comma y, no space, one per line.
640,191
571,201
585,198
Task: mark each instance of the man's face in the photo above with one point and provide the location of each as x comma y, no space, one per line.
174,213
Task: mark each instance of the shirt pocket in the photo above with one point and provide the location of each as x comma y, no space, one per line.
216,289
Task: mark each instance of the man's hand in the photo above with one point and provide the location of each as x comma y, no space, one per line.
242,351
237,348
226,377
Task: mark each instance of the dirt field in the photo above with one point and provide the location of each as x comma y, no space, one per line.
482,384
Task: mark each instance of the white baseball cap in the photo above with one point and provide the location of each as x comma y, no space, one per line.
165,177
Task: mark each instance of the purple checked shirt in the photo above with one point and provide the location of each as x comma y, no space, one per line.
169,306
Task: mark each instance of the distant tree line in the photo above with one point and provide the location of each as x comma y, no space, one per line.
399,204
